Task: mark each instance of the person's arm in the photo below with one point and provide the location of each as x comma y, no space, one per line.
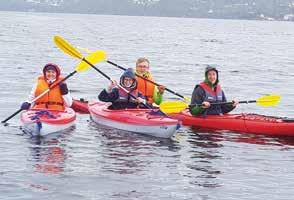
157,96
32,93
65,94
67,99
140,95
109,96
198,97
26,105
226,108
141,98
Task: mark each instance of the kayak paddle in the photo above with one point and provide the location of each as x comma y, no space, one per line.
122,68
67,48
95,57
178,106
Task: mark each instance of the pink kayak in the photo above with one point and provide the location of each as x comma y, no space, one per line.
41,122
144,121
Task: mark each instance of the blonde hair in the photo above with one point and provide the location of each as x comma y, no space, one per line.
140,60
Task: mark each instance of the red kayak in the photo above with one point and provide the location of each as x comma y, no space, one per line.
244,123
80,106
144,121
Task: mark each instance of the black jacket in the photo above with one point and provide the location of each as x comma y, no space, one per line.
113,97
199,95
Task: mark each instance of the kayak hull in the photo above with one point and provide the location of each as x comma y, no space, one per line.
244,123
80,106
133,120
40,122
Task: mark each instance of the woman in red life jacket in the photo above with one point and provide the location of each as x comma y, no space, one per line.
209,92
120,96
57,98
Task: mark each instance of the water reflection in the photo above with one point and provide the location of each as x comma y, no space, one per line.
129,153
199,159
244,137
203,154
48,153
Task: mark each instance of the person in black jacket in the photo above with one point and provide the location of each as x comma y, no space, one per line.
124,95
209,92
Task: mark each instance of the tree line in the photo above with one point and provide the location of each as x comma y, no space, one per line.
233,9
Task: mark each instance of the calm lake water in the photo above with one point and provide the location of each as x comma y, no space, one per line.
89,162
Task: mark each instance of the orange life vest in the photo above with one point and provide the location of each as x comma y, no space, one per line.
52,100
146,88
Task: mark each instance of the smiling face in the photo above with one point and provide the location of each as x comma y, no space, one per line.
128,82
212,76
50,74
142,67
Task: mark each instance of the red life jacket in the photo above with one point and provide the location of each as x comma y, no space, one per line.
125,97
212,95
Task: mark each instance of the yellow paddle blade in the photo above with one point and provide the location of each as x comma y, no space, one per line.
93,58
66,47
270,100
173,106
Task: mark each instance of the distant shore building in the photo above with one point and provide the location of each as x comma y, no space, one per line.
289,17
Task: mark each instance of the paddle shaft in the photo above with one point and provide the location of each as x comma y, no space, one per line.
122,68
106,76
225,103
38,97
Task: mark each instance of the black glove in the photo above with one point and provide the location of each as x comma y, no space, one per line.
25,106
63,88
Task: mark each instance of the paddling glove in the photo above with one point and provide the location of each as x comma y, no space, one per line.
63,88
196,110
25,106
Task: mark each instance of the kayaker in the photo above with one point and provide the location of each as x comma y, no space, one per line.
119,95
152,93
57,98
209,92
